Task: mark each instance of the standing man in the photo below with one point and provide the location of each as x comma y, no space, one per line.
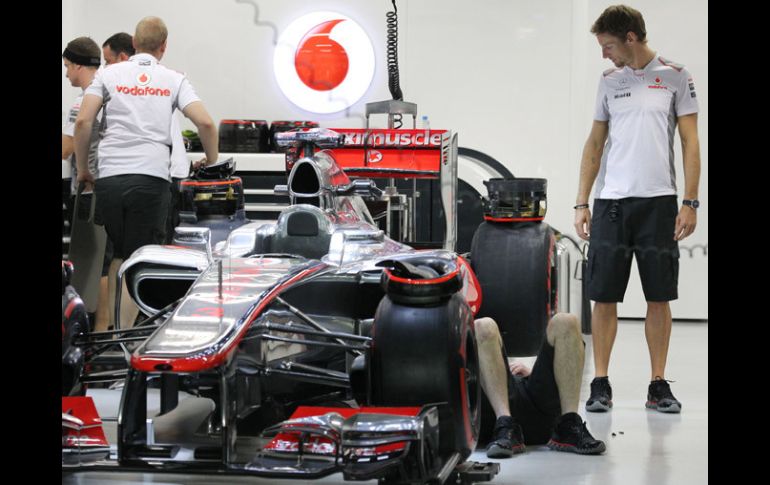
139,97
639,104
82,59
119,48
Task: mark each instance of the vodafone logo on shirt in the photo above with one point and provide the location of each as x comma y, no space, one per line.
657,84
143,79
137,91
324,62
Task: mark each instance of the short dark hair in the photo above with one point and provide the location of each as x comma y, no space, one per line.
120,43
619,20
85,48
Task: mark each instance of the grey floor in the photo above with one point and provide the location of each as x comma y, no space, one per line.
643,447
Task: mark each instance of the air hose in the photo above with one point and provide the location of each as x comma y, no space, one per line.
393,75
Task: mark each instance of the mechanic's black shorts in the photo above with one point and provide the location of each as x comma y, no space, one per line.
622,228
534,400
133,209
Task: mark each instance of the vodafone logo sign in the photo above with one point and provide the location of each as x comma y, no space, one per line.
324,62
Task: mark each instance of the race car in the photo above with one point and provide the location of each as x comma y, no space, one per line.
300,348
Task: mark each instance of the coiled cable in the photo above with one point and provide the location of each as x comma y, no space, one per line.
393,75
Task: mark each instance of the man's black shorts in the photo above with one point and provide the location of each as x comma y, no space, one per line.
641,227
133,209
534,400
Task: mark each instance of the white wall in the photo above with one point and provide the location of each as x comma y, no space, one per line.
515,78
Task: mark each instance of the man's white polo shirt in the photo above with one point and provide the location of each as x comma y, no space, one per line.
642,107
139,97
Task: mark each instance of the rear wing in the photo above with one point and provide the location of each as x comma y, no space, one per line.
387,154
400,153
383,153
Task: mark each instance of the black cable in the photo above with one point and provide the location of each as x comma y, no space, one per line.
393,74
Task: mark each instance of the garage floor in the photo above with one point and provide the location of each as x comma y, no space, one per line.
643,447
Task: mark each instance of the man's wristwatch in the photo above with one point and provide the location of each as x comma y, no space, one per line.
694,203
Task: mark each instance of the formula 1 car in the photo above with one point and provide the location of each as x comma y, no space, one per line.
300,348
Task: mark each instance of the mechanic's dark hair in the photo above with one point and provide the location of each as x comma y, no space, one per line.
619,20
120,43
83,51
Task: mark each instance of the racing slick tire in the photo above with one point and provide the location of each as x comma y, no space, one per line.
513,264
74,323
428,355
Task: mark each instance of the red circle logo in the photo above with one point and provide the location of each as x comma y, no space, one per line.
143,79
324,62
320,61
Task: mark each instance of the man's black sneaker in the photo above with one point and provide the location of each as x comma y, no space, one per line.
601,395
507,438
570,434
659,397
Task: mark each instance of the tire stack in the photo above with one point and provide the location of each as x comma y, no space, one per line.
244,136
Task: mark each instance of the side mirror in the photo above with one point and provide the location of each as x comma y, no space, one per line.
361,187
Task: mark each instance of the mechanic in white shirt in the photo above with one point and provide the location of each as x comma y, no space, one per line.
638,107
118,48
139,97
82,58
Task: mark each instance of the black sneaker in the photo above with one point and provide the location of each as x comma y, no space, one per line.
659,397
601,395
570,434
507,438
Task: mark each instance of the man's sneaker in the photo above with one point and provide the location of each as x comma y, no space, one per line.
570,434
507,438
659,397
601,395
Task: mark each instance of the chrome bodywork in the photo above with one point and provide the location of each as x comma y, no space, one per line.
238,339
235,279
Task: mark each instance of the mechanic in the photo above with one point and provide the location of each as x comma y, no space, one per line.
639,104
139,97
82,58
539,405
119,48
